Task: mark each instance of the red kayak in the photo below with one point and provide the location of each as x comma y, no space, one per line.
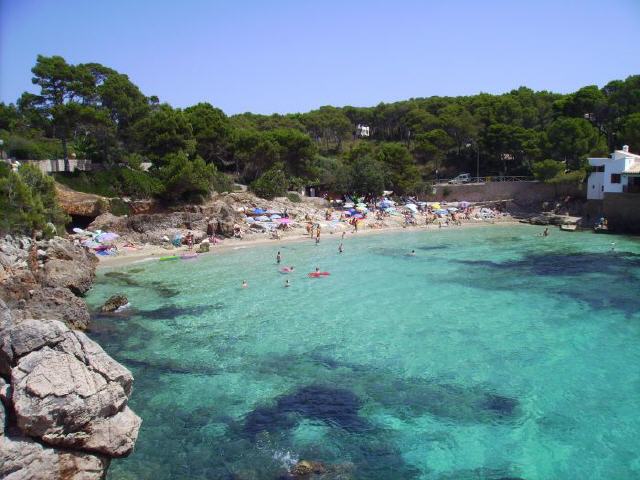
319,274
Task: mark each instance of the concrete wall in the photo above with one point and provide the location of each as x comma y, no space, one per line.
520,192
57,165
622,211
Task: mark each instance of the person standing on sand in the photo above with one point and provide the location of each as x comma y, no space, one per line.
278,258
190,241
318,233
210,231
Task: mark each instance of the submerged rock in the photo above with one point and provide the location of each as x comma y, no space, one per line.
307,467
114,303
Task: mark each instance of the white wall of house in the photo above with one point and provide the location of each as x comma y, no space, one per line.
617,163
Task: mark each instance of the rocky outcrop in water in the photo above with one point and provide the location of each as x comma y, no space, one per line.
64,411
114,303
42,279
64,391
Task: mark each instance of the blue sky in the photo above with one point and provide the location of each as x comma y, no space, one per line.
296,55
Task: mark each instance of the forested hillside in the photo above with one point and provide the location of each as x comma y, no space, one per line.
96,112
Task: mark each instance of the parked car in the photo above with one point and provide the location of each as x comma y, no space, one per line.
462,178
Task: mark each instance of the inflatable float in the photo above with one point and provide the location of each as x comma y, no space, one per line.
188,256
286,270
172,257
318,274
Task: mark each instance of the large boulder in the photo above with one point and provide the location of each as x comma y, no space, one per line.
65,273
114,303
22,458
79,203
54,304
65,390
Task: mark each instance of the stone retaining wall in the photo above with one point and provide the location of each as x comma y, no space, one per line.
521,192
622,211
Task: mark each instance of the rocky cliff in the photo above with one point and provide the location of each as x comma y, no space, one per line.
64,408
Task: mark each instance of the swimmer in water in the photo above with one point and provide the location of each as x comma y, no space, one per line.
278,258
244,284
287,284
317,269
412,254
340,248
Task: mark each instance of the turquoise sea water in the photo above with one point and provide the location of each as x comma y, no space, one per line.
492,353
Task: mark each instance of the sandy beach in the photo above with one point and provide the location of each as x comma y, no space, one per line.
150,252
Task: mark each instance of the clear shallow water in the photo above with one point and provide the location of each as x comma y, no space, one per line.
492,353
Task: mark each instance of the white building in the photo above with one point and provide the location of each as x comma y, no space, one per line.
619,173
362,130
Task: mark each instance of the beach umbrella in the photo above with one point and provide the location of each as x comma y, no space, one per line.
452,209
106,237
283,220
258,211
358,216
464,204
262,218
441,212
275,216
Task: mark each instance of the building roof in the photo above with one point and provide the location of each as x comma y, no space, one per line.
627,153
633,169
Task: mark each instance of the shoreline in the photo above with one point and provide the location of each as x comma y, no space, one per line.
154,252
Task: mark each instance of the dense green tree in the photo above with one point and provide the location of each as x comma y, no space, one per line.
165,131
28,201
571,139
185,179
547,169
631,131
329,126
401,172
212,132
272,183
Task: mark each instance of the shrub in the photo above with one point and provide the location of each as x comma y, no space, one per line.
119,207
184,179
222,183
113,182
547,169
575,176
28,201
272,183
139,184
294,197
24,148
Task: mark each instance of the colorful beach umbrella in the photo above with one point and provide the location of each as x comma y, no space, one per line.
284,220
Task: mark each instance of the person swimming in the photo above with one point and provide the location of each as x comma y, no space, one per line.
412,254
244,284
340,248
287,284
278,258
287,269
